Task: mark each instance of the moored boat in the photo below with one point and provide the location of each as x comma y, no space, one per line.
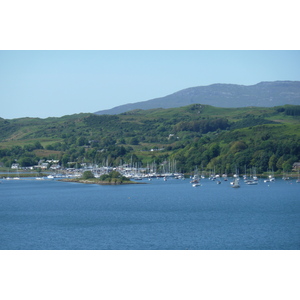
236,183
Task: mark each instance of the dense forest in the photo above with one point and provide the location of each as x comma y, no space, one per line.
203,136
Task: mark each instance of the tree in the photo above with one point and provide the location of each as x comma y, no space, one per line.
288,164
87,175
272,162
280,162
238,146
27,161
81,141
65,159
287,167
113,176
37,145
133,141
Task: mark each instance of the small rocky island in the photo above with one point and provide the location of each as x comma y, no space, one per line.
113,178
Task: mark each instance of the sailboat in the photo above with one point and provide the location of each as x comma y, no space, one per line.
285,176
195,178
271,177
18,176
298,180
245,174
253,180
202,172
236,183
8,178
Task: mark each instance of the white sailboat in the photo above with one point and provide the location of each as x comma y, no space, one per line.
18,176
236,183
271,177
298,180
253,178
252,182
195,178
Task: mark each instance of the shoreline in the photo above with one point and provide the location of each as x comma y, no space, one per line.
86,181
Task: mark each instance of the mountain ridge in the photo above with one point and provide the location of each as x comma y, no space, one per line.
262,94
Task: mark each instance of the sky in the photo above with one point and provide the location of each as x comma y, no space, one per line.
70,57
49,83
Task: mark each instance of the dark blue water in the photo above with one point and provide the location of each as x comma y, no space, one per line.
157,215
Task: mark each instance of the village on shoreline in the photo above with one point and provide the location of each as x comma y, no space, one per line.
126,174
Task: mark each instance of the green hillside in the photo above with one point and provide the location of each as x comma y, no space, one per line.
196,135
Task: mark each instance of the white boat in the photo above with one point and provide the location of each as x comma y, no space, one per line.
194,181
271,177
195,184
17,177
195,178
236,183
252,182
285,176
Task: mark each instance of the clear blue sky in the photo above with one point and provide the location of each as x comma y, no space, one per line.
56,83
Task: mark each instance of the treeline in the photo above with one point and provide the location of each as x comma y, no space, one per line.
257,148
23,155
249,121
290,110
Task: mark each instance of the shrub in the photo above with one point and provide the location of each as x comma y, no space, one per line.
88,175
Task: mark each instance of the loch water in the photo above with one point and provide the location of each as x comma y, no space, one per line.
157,215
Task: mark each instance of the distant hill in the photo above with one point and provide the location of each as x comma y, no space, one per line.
214,138
263,94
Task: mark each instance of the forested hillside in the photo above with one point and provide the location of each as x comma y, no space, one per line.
208,137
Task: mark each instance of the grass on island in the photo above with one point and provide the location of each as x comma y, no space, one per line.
113,178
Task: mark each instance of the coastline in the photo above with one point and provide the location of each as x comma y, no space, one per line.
96,181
